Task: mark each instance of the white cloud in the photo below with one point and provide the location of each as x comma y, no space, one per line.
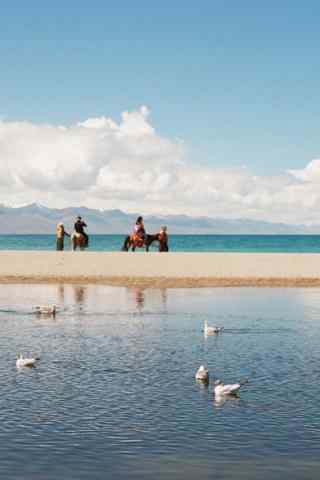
311,173
104,164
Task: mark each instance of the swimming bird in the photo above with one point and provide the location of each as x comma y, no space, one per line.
26,362
211,330
202,374
221,389
46,309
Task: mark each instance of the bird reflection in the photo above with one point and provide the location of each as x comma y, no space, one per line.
220,400
203,384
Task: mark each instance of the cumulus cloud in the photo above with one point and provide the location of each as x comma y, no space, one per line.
104,164
311,173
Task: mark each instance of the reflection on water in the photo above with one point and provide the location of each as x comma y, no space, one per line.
114,393
61,294
221,400
154,297
79,294
139,298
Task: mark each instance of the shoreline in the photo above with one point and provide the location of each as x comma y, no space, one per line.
162,282
162,270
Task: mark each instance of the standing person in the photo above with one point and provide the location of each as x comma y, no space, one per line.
163,239
79,228
61,233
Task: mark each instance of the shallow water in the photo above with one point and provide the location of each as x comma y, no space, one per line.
114,394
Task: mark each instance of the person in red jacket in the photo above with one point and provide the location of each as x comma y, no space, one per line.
139,233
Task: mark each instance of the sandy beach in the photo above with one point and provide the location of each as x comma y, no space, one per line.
161,269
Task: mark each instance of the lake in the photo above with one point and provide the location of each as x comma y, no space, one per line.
114,394
178,243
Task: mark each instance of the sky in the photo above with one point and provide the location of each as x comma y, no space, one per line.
206,108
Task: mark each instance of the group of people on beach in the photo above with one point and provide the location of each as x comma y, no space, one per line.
79,227
139,235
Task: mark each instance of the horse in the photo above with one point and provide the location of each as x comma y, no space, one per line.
78,241
133,243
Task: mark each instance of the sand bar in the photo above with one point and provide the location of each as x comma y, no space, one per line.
161,269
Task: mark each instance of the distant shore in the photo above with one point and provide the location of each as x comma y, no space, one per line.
162,270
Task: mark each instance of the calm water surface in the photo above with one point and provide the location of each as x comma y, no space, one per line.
114,394
178,243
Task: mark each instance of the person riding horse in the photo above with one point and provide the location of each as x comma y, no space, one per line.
139,235
139,238
79,228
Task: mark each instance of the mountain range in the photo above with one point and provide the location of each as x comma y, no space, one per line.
38,219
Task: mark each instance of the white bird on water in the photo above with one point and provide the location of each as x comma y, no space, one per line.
46,309
26,362
221,389
202,374
211,330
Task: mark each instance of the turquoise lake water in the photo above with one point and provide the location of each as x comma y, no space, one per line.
179,243
114,393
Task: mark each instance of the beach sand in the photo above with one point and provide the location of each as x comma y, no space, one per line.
155,270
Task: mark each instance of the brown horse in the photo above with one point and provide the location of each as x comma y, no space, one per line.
78,241
130,242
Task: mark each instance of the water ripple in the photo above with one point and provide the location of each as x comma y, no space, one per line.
114,389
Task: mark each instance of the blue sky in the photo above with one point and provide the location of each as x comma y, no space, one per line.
237,81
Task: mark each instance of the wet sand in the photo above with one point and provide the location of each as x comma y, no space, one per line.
162,269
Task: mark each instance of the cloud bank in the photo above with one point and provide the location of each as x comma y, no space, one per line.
104,164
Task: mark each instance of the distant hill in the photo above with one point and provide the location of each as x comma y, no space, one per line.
35,218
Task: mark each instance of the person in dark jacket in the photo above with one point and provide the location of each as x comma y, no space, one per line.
79,228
